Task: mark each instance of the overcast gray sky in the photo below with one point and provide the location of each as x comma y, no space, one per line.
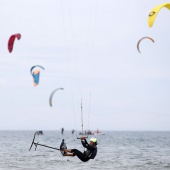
88,47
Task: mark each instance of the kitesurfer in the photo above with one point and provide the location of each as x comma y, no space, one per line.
62,131
90,153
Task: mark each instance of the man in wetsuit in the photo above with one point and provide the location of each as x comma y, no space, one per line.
62,131
90,153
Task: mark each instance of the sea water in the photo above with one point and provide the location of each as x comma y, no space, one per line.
116,151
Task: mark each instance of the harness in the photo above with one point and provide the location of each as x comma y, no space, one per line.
91,153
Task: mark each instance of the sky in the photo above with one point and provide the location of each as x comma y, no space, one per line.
89,48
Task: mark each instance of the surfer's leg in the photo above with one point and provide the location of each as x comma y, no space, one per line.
79,154
68,154
74,152
67,150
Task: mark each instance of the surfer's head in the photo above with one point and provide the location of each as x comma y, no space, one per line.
93,141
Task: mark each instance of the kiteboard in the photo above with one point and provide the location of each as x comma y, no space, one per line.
63,146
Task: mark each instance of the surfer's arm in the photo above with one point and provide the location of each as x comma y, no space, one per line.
84,142
86,145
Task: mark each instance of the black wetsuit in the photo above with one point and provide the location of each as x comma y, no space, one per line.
90,153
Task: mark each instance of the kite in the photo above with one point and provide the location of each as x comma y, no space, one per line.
141,40
155,11
35,74
11,41
51,95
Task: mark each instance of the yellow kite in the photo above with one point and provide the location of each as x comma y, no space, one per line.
154,12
